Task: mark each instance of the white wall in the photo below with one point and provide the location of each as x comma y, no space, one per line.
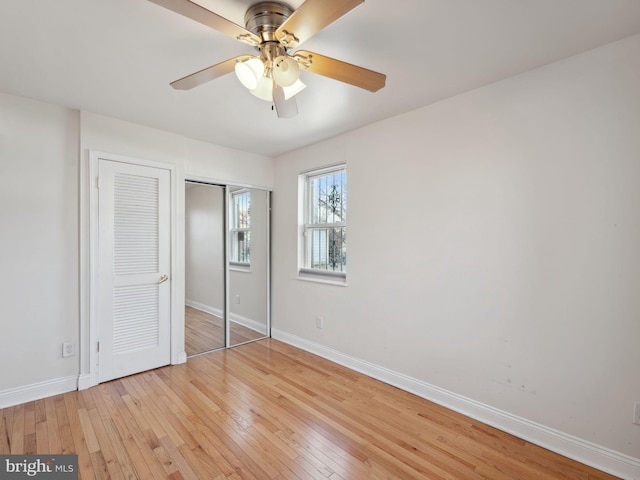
44,156
39,241
493,247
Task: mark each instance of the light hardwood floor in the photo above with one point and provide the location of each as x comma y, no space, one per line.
204,332
266,410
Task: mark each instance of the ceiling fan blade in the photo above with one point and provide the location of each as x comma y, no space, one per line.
342,71
200,14
311,17
284,108
208,74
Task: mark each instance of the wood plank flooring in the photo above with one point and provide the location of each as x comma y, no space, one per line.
266,410
204,332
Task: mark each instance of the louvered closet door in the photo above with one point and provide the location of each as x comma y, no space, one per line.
134,269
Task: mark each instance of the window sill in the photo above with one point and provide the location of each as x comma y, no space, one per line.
329,278
239,267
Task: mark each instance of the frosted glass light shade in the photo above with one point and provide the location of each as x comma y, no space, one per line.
264,89
250,72
285,71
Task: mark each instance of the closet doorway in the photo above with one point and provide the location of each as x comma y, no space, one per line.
226,266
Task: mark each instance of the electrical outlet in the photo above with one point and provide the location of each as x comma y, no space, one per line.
636,413
238,299
68,350
319,322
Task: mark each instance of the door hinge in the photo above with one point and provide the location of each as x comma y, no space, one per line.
98,347
98,183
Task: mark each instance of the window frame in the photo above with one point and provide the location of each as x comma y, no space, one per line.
306,226
235,230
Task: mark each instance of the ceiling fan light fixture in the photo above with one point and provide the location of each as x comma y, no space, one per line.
273,75
250,72
264,90
286,70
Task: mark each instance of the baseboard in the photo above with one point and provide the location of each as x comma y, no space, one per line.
233,317
181,357
37,391
204,308
251,324
567,445
85,381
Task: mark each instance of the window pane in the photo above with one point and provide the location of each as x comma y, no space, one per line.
328,198
242,243
242,210
328,249
240,227
325,225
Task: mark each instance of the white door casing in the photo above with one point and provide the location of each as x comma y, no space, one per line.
133,294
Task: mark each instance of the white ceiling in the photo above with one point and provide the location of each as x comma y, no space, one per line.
117,57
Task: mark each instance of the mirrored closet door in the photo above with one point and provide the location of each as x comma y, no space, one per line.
226,266
204,268
248,265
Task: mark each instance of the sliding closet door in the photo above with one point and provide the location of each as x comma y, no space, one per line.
248,247
204,268
227,266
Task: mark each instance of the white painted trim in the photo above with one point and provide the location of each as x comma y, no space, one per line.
249,323
37,391
596,456
319,279
84,381
268,326
218,312
223,183
227,268
178,353
181,358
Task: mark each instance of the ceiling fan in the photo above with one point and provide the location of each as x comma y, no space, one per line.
273,28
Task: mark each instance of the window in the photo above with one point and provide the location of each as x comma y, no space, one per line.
324,220
240,223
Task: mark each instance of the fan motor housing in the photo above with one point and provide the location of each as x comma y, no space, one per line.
264,18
